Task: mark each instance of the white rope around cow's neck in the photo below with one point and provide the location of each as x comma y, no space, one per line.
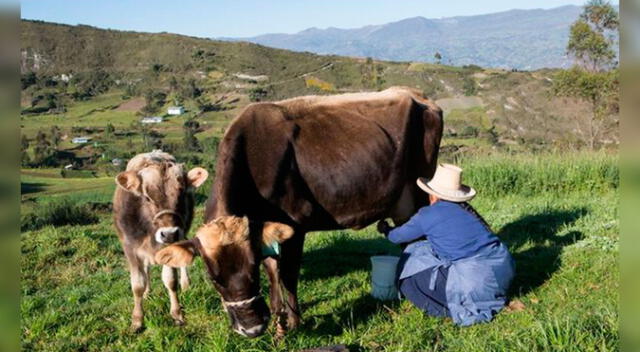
240,303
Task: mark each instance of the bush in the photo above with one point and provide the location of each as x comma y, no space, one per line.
257,94
469,86
469,131
58,213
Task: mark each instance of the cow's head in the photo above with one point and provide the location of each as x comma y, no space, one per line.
231,248
165,195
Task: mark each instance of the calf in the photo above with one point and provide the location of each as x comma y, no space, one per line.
153,207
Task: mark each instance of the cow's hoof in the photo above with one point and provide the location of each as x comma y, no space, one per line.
293,321
136,327
281,331
178,318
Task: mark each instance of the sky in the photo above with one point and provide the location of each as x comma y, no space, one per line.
244,18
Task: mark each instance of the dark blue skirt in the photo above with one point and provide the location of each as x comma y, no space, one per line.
416,289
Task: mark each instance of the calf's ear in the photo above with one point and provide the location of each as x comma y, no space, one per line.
129,181
197,176
276,232
177,255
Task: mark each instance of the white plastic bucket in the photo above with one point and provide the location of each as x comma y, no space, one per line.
383,277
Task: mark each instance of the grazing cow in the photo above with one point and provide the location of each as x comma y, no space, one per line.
153,207
306,164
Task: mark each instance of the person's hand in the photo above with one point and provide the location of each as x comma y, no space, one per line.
383,227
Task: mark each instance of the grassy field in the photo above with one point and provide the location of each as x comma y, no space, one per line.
557,213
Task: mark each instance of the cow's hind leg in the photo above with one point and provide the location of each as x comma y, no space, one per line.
290,262
275,294
169,275
139,284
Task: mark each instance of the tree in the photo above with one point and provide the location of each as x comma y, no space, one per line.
43,151
438,57
56,136
151,139
594,78
24,147
109,131
173,84
191,143
28,79
589,43
154,101
598,89
88,84
191,90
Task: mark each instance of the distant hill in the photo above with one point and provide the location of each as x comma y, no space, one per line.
522,39
482,106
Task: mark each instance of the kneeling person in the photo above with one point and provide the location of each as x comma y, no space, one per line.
454,265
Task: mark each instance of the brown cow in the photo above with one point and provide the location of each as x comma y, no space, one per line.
312,163
153,206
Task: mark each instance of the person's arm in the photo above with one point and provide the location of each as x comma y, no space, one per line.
409,231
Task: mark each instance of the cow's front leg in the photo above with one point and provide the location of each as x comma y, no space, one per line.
275,294
139,284
169,275
290,262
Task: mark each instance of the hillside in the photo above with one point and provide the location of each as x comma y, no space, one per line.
84,79
522,39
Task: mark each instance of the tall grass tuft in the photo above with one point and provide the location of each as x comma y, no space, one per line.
546,173
58,212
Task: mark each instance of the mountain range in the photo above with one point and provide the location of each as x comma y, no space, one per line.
520,39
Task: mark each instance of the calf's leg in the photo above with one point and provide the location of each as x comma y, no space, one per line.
147,280
169,275
290,262
184,279
139,284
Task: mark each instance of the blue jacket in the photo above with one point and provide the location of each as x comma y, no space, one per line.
480,266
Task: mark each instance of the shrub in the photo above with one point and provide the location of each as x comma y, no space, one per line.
469,131
469,86
58,213
257,94
317,83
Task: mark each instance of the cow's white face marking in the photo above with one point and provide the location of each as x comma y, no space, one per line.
161,234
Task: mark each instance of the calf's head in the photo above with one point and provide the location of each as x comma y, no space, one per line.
164,196
231,248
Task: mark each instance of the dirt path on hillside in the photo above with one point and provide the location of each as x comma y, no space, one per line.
131,105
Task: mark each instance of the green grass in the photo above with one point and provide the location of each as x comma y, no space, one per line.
39,186
563,235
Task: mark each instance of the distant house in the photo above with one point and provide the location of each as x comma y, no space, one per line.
175,110
81,140
152,119
69,167
117,162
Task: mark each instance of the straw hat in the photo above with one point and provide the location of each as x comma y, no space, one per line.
447,184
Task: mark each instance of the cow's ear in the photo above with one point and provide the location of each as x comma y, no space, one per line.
130,181
177,255
276,232
197,176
